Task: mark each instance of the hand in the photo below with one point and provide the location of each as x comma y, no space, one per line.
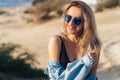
93,56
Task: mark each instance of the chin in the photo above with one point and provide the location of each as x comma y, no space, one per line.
71,31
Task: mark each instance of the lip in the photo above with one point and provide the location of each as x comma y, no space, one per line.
71,27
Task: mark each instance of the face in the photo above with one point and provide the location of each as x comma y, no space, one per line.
74,20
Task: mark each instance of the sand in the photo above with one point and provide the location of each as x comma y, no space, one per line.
36,38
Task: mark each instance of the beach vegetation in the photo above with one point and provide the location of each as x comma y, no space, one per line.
19,66
105,4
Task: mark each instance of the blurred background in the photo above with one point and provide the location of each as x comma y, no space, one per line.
27,25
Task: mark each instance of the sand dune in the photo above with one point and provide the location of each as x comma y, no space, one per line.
36,40
108,29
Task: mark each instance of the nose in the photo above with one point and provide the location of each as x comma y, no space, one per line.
71,22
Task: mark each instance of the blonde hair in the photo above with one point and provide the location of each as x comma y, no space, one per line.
88,39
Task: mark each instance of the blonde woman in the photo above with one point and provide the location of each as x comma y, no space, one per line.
74,55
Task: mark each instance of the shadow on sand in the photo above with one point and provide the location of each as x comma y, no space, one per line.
11,68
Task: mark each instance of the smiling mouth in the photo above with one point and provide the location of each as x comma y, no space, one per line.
71,27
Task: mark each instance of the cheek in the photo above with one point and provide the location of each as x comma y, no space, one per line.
80,28
65,25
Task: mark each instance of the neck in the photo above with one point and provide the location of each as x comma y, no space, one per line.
73,38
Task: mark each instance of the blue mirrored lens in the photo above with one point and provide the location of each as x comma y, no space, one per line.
77,21
68,18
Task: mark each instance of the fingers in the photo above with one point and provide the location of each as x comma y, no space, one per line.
93,55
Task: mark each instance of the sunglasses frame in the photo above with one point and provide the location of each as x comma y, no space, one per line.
68,18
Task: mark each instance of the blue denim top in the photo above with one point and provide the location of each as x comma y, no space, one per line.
76,70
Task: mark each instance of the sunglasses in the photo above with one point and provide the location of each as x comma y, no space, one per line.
77,20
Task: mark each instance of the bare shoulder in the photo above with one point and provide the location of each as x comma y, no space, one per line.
54,48
55,38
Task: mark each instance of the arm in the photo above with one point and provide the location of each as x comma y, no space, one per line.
79,69
54,69
94,69
54,48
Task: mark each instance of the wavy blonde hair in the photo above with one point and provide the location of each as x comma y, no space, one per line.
88,39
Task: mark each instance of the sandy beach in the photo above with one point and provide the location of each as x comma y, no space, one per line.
35,38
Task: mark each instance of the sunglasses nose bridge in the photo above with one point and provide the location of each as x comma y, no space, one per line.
71,21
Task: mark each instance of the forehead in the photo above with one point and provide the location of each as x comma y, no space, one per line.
75,11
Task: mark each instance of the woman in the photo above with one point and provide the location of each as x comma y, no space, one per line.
74,55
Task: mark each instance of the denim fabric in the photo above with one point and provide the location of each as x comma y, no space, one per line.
92,77
76,70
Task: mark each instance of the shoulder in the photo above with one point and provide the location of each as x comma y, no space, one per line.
54,41
55,38
54,48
